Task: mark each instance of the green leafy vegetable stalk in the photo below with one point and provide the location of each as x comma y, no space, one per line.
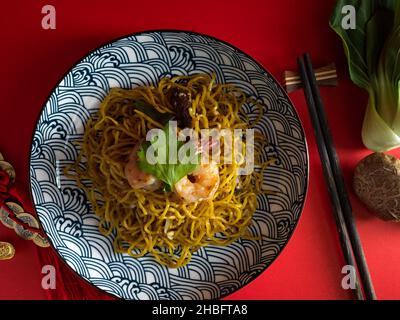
373,54
171,169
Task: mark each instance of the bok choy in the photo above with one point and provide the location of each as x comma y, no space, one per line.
373,53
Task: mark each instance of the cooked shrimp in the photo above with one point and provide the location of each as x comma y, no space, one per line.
138,179
201,184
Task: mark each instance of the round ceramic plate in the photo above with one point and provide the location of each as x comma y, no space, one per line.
65,213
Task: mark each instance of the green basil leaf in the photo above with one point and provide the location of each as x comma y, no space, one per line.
169,172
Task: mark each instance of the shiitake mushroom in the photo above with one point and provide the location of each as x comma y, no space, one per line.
181,102
376,182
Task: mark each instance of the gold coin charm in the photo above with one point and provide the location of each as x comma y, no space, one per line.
41,241
7,251
4,165
15,207
30,221
5,218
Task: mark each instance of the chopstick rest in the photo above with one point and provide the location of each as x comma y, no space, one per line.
326,76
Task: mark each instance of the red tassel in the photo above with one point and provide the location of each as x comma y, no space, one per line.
69,286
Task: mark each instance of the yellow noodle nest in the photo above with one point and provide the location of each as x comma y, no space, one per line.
157,222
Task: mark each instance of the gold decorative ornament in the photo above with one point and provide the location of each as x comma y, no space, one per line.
7,167
30,221
41,241
7,251
15,207
12,215
5,218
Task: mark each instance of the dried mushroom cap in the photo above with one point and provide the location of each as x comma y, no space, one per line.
181,101
376,182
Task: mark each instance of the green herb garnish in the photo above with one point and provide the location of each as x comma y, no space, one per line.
168,166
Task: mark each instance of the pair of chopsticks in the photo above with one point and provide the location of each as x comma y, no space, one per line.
349,238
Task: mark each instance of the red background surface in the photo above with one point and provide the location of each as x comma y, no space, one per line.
274,33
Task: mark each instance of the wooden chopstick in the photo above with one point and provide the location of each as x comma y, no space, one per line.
338,213
340,185
348,234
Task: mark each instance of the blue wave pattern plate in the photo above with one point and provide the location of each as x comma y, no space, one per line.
65,213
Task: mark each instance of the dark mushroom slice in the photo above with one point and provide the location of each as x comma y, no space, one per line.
181,101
